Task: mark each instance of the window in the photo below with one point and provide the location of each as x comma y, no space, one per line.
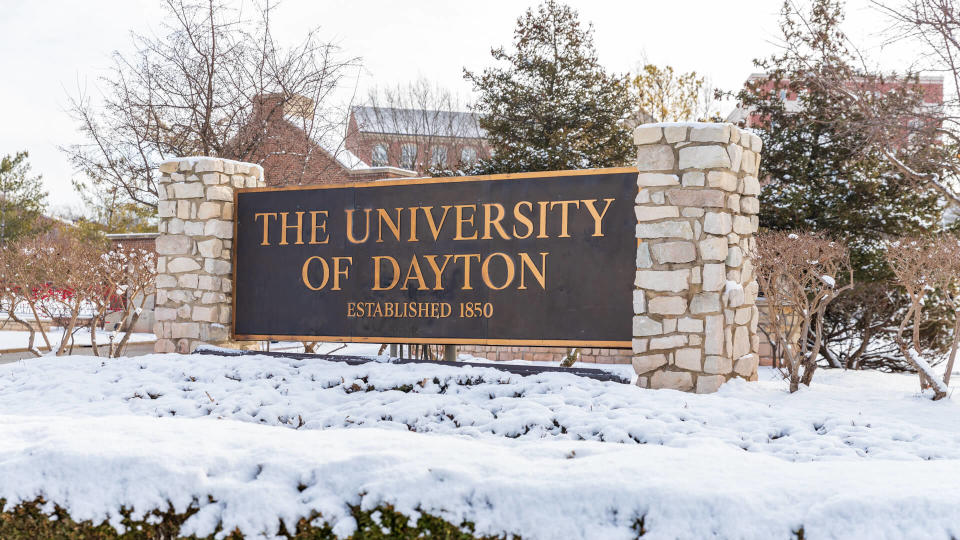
438,156
468,155
378,158
408,156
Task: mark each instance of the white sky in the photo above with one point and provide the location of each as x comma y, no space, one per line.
49,49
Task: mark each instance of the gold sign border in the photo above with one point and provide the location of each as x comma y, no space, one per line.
543,175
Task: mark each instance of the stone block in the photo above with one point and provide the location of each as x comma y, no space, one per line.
689,324
746,366
182,264
218,228
713,249
748,163
639,303
643,255
694,179
639,345
667,305
183,210
674,252
741,341
688,358
710,133
193,228
186,330
209,283
717,364
166,209
713,335
219,193
164,346
217,267
675,134
645,326
722,180
742,225
169,166
164,314
165,281
653,213
647,135
209,210
648,362
756,143
696,197
657,179
665,229
643,196
212,178
187,281
714,276
205,313
708,384
175,226
167,244
749,205
655,157
736,155
210,248
188,190
667,342
734,256
675,380
704,157
733,295
717,223
663,280
705,302
208,165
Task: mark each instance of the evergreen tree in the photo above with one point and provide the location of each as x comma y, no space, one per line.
549,104
22,199
818,173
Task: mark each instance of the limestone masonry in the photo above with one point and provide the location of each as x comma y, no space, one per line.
194,284
694,303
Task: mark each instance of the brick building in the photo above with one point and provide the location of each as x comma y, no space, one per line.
415,139
931,86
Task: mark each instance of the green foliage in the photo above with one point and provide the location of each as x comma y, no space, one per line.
28,521
820,174
22,199
112,212
549,104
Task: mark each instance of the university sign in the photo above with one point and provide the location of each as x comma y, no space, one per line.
535,259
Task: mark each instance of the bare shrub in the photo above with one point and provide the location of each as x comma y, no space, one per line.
798,274
23,285
126,277
922,267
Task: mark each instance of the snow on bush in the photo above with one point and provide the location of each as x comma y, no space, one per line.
254,440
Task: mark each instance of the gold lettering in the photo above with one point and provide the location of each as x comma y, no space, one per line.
597,218
413,224
322,226
522,219
434,228
564,214
466,268
376,272
306,269
382,216
461,220
350,235
266,225
540,276
485,270
414,266
337,272
494,222
437,270
543,219
284,227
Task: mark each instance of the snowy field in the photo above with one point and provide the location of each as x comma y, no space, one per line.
255,440
17,340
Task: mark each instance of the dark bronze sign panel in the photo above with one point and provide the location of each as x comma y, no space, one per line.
535,259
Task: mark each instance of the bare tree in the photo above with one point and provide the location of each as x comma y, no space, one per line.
421,126
127,277
922,266
23,284
210,84
798,274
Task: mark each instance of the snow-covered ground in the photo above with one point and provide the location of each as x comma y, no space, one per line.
16,339
858,455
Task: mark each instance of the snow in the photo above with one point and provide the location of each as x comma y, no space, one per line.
857,455
17,339
829,281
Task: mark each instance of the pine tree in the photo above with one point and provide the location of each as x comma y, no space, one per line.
818,173
22,199
549,104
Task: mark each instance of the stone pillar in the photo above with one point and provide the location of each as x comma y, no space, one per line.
194,271
695,314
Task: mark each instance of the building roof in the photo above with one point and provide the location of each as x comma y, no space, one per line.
419,122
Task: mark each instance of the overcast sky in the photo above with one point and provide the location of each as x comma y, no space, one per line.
50,49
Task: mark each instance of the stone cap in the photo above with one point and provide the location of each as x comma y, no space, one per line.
210,164
718,132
